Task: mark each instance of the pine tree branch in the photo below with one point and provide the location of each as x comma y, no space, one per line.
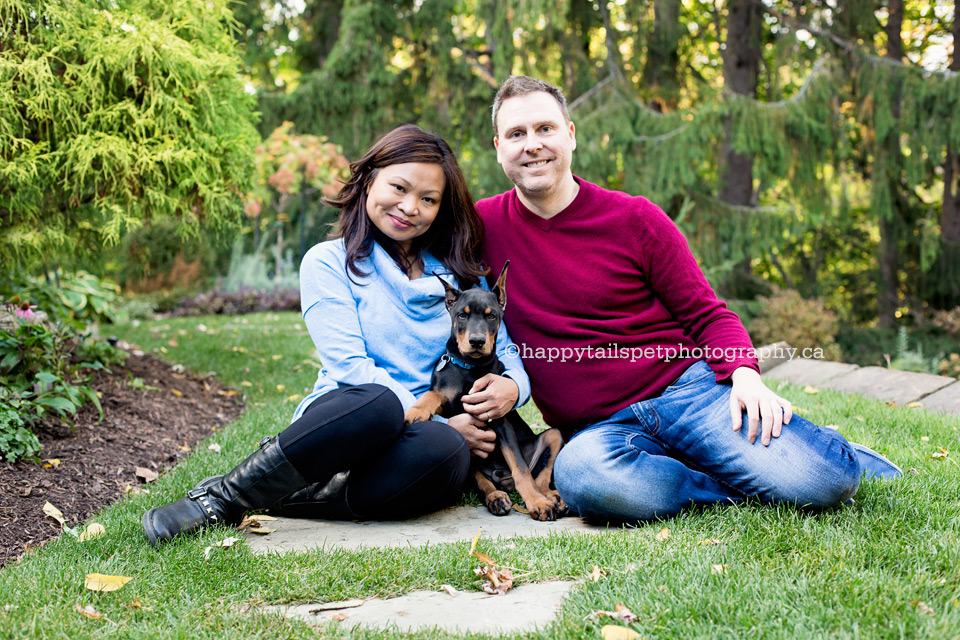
589,93
846,45
817,69
662,137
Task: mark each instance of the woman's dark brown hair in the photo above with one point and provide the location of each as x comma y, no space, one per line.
454,237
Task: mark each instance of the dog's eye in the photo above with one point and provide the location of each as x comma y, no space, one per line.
491,316
461,316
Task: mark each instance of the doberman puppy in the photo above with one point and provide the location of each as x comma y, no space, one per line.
522,459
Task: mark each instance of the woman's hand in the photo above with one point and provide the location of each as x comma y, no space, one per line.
481,441
491,397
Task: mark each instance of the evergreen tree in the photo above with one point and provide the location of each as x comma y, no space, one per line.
114,113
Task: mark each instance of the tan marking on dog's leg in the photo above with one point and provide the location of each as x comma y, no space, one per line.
428,404
553,441
539,505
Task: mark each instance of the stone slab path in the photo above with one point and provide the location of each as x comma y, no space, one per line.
449,525
525,608
936,393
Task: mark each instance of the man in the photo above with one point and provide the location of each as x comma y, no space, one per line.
651,378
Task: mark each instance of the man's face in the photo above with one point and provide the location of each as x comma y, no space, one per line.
534,143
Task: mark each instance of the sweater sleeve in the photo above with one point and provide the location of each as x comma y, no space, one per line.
330,313
678,282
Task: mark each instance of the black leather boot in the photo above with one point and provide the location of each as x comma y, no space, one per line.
256,483
325,500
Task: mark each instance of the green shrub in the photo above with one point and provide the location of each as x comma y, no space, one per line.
908,359
80,296
949,321
787,316
950,366
261,271
16,441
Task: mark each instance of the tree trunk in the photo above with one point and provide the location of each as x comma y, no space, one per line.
660,73
741,65
946,289
887,296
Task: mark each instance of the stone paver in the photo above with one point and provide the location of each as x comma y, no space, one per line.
449,525
772,355
946,400
804,371
901,387
525,608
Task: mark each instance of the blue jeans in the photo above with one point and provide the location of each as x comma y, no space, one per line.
658,456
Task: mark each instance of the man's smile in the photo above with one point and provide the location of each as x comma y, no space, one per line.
536,163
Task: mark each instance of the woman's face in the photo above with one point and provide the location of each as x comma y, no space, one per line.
404,200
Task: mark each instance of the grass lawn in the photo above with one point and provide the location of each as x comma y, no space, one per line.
854,572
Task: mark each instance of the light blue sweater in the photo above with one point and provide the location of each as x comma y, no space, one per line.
382,328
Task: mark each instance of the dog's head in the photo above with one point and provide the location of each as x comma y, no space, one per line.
476,315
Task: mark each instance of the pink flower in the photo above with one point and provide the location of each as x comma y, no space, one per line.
25,311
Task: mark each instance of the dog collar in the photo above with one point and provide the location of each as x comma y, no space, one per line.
445,358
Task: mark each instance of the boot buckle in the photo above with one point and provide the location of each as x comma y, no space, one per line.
264,441
197,493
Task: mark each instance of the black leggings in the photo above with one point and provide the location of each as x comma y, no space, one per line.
395,471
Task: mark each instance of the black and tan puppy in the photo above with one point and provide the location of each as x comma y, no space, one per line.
522,460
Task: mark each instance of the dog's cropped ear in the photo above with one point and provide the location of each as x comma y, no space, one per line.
500,288
452,293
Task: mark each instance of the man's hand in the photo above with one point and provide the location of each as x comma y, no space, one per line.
491,397
481,441
751,395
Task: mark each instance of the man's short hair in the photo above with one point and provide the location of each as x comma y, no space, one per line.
522,85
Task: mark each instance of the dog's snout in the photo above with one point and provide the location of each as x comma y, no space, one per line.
478,341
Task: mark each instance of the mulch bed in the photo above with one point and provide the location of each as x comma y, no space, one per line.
149,428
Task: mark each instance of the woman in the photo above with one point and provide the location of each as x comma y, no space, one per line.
377,317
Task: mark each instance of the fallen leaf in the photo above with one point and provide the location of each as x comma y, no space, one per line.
810,390
891,403
52,463
519,508
614,632
184,447
265,518
261,530
913,471
100,582
663,535
498,581
131,489
244,383
596,574
860,418
176,392
485,558
93,531
449,589
277,356
924,438
940,453
295,398
146,475
226,542
88,611
835,427
709,541
914,405
135,604
720,569
172,343
336,615
473,545
54,513
333,606
620,612
214,447
923,607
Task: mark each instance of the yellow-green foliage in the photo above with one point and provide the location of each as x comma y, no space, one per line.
950,366
115,112
949,321
802,323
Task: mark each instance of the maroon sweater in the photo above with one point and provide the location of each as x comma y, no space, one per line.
599,297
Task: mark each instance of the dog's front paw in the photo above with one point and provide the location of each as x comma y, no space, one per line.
543,508
560,508
498,503
414,414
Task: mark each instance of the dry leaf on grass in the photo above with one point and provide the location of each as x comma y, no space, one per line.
923,607
226,542
498,581
449,589
214,447
103,583
597,573
914,405
88,611
709,541
720,569
93,531
613,632
810,390
134,605
620,612
663,535
941,453
145,474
